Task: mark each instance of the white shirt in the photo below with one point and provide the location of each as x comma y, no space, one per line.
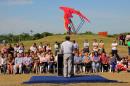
34,49
56,46
127,37
67,47
39,47
1,61
86,44
95,46
16,49
114,46
76,46
20,49
48,48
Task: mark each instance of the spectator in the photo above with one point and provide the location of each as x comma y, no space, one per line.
4,49
33,48
40,47
120,66
10,64
87,62
95,45
10,49
48,48
104,62
123,39
3,63
120,39
101,47
77,62
128,44
35,60
16,47
43,62
113,62
95,62
21,48
86,46
56,48
76,46
27,63
18,64
128,37
51,63
114,47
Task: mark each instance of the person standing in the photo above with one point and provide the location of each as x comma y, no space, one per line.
86,46
123,39
67,51
95,45
128,43
56,48
76,46
101,47
114,47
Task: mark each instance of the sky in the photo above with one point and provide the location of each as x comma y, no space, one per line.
18,16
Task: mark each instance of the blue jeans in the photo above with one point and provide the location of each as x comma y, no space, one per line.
95,66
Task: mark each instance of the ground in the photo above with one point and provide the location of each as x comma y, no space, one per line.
17,80
124,77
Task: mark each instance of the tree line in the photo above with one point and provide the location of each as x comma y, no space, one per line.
11,38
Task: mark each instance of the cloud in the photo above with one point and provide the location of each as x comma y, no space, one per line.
16,2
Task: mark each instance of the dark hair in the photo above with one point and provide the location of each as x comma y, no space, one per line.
67,38
73,41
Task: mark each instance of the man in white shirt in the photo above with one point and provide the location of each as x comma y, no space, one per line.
114,47
67,50
76,46
56,48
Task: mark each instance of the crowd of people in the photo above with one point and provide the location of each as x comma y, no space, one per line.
40,58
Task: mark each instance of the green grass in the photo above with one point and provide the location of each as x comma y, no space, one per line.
80,39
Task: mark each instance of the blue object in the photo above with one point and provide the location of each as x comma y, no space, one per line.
63,80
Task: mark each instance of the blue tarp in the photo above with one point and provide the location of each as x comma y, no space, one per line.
63,80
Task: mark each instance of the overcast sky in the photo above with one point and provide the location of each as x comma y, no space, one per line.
18,16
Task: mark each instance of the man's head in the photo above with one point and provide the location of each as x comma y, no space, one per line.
67,38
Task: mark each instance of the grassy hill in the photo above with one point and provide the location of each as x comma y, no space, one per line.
80,39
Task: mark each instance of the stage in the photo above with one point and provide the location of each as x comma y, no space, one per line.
63,80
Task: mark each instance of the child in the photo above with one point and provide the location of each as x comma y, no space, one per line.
120,66
113,62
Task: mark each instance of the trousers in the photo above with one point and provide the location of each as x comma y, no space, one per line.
68,65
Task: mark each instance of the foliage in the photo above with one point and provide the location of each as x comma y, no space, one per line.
11,38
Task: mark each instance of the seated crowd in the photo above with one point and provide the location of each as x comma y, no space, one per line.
40,58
